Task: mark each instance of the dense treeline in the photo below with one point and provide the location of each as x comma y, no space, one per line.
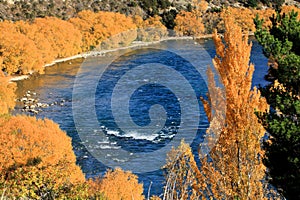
202,20
25,47
41,41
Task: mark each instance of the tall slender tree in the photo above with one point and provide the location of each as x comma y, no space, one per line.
234,168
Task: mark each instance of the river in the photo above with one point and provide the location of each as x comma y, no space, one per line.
113,96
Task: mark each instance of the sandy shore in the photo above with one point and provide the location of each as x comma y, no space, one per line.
101,52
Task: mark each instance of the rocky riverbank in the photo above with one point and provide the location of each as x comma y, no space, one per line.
30,103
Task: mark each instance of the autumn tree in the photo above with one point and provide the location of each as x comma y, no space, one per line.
43,45
281,46
117,184
190,23
36,158
97,27
64,38
7,95
234,168
18,53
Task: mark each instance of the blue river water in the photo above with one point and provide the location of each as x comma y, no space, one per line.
153,83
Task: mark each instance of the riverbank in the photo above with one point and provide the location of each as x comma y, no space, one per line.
103,52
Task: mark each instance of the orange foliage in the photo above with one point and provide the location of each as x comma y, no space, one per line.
265,14
244,16
138,21
189,24
234,168
117,184
288,9
18,53
34,150
7,95
43,45
237,169
200,7
97,27
64,39
25,47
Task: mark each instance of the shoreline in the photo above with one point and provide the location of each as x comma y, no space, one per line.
101,52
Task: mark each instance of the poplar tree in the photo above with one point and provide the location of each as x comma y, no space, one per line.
233,169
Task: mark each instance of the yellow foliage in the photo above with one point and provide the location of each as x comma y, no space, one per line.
118,184
97,27
62,36
35,154
233,169
188,24
18,53
7,95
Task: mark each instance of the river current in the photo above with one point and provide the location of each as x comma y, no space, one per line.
122,90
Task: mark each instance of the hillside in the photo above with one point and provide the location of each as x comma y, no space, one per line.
64,9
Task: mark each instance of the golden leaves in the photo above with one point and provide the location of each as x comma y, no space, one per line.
234,167
36,147
26,47
118,184
237,156
7,94
188,24
97,27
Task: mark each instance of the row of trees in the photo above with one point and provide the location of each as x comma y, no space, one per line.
201,21
26,47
